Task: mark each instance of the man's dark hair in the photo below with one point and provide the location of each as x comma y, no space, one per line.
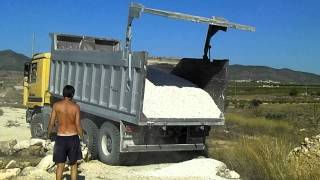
68,91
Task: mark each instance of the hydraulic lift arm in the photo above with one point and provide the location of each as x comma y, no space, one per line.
215,24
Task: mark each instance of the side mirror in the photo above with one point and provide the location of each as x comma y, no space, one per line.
26,70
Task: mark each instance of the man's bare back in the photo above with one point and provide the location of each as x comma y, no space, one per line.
67,115
67,143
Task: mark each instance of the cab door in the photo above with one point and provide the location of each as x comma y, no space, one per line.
35,97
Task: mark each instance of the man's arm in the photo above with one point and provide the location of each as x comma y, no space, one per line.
52,121
78,123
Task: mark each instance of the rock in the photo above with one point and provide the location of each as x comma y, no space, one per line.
304,150
11,123
306,140
318,153
49,146
9,173
302,130
37,150
22,145
27,170
227,173
50,152
309,148
46,163
20,164
35,173
24,164
6,147
11,164
232,175
35,141
296,149
52,169
85,154
34,150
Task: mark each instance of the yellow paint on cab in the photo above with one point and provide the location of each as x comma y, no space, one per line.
36,87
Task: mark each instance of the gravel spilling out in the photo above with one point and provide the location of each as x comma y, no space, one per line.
169,96
197,168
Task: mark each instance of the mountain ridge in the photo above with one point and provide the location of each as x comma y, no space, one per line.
283,75
13,61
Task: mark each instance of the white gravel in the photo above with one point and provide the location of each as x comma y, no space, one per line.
169,96
195,169
203,168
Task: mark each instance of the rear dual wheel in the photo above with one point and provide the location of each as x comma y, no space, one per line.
109,146
90,129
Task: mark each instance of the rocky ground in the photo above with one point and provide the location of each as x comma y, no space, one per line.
24,158
309,148
14,165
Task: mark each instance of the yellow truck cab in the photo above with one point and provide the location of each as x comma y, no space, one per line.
35,92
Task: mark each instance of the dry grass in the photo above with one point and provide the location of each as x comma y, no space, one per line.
255,126
266,158
258,147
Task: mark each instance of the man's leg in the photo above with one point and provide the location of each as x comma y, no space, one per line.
60,167
74,171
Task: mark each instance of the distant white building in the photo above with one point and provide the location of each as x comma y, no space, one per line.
268,82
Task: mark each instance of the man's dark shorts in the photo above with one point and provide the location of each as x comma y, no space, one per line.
67,147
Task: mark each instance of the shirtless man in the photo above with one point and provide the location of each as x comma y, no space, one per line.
67,144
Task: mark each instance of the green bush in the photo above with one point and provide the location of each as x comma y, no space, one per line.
254,103
275,115
293,92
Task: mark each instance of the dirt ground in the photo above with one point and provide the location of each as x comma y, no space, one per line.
17,116
149,166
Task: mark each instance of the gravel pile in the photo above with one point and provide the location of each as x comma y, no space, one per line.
203,168
169,96
310,147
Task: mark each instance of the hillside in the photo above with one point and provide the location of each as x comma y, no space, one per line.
248,72
241,72
12,61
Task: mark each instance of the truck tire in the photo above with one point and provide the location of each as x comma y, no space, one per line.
90,136
109,144
37,128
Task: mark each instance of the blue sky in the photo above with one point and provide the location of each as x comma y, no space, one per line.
287,34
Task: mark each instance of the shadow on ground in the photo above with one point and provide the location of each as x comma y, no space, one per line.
148,158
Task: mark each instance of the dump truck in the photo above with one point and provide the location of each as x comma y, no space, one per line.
109,80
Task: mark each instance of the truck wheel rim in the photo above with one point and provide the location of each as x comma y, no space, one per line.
106,144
